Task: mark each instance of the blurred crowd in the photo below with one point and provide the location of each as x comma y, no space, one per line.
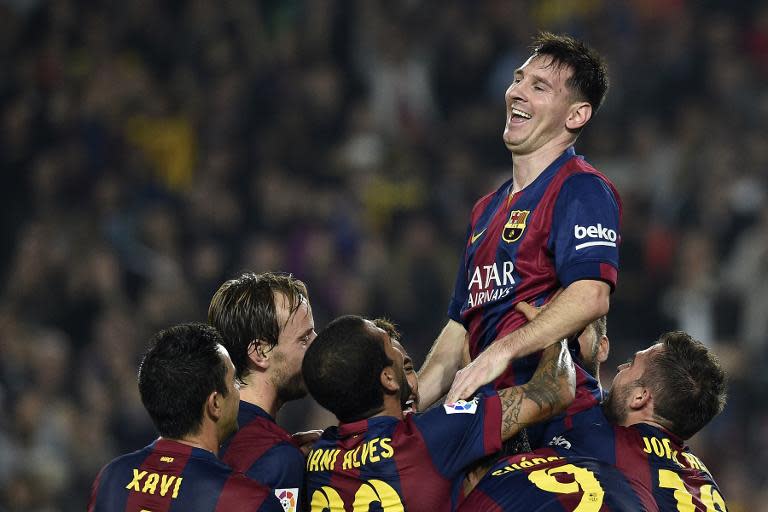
151,150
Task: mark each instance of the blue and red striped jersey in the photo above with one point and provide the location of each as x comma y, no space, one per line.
589,395
543,481
659,467
266,452
172,476
407,464
561,228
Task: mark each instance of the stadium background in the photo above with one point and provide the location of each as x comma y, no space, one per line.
150,150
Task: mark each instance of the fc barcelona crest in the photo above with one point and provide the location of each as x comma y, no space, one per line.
515,226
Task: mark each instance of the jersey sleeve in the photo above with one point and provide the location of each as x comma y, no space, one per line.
459,296
458,434
281,467
585,231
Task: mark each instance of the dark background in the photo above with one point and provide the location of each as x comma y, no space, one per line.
151,150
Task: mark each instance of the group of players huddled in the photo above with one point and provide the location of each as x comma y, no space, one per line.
525,424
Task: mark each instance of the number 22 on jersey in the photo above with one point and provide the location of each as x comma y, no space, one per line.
326,499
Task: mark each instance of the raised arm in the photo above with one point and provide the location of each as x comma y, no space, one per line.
442,363
568,313
549,392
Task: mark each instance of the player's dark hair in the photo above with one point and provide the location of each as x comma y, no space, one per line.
342,369
589,81
182,367
688,384
388,327
244,310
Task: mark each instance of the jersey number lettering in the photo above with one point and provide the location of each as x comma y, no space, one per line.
326,499
710,497
584,481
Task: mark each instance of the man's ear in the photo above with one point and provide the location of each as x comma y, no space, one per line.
258,353
214,405
603,349
639,398
578,115
389,380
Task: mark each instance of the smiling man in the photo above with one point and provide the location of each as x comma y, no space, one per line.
553,225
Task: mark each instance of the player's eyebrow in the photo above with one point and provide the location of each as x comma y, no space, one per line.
520,73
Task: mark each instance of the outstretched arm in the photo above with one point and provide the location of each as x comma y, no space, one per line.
442,363
549,392
578,305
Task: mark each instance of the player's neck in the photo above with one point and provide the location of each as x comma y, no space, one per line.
258,391
528,166
392,407
206,439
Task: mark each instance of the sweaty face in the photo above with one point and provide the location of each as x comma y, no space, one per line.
297,333
538,103
412,401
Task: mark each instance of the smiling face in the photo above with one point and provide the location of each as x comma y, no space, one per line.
539,106
394,352
412,402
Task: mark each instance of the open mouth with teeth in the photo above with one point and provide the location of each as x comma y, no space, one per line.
410,405
519,114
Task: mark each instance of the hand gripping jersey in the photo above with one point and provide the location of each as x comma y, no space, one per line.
171,476
561,228
652,459
401,465
265,452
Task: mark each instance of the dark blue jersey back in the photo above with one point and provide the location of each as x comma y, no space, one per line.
401,464
543,481
659,465
171,476
266,452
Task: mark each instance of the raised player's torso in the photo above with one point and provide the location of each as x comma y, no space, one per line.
522,247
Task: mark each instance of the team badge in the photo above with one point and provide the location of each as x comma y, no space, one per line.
461,407
287,498
515,226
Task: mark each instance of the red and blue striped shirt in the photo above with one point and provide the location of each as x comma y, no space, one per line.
408,464
168,476
561,228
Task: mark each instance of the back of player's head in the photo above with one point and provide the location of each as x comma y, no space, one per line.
589,81
342,369
688,384
245,310
182,367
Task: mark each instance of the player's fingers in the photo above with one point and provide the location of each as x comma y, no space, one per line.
529,311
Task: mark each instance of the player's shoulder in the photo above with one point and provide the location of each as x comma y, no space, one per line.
132,459
247,494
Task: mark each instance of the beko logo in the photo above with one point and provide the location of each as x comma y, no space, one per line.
604,236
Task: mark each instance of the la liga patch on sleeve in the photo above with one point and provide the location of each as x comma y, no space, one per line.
287,498
461,407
